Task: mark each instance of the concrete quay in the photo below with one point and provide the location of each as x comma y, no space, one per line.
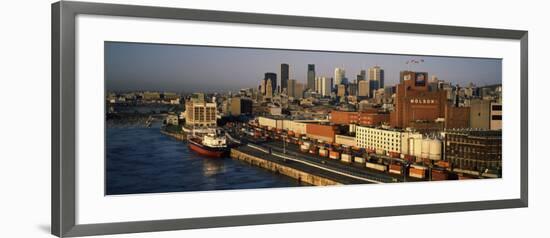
303,171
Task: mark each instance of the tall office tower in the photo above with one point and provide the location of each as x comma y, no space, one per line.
323,86
352,89
373,86
363,74
273,78
317,88
299,90
284,77
268,88
377,73
291,88
363,88
341,89
311,76
339,75
262,87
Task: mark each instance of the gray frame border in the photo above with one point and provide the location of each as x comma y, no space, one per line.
63,192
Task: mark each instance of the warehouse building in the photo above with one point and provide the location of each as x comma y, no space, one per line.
414,103
474,149
321,132
402,142
366,118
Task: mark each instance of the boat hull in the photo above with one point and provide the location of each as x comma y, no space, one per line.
205,151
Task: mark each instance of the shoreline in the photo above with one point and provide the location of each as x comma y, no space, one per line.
177,136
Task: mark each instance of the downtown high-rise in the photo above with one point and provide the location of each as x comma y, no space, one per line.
284,77
339,75
272,77
311,76
377,74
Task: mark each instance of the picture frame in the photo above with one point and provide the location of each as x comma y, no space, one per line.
64,209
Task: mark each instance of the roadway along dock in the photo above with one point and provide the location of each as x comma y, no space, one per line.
306,170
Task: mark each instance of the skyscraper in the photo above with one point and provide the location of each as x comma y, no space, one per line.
299,90
323,86
363,88
311,76
268,88
341,90
373,86
291,88
284,77
376,73
339,75
273,78
363,74
352,89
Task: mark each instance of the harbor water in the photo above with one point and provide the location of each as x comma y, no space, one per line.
142,160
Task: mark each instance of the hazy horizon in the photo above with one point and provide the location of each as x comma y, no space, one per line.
187,68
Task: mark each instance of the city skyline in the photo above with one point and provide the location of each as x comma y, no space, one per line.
163,67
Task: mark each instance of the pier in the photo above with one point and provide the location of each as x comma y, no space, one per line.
177,136
312,172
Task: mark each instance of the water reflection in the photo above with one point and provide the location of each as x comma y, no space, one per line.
213,166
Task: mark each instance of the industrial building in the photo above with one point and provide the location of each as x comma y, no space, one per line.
321,132
345,140
496,116
403,142
485,114
367,118
474,149
380,140
199,112
480,114
299,128
457,117
415,103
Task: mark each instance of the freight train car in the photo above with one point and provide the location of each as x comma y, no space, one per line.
395,169
334,154
323,152
375,166
439,174
416,171
359,159
346,158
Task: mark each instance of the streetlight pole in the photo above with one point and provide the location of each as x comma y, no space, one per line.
284,144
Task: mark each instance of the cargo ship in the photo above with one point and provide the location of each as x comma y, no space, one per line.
210,144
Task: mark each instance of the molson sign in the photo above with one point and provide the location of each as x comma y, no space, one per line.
420,79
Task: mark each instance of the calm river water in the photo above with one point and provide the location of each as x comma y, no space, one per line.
142,160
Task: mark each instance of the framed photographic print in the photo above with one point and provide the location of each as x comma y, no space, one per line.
167,119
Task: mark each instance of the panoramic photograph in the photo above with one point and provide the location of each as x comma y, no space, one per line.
183,118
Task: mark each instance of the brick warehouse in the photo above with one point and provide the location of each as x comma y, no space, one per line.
415,102
369,118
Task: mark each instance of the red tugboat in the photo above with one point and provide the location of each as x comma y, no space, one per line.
210,144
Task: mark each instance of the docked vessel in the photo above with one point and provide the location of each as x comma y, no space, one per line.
210,144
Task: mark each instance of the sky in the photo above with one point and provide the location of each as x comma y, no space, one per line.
186,68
